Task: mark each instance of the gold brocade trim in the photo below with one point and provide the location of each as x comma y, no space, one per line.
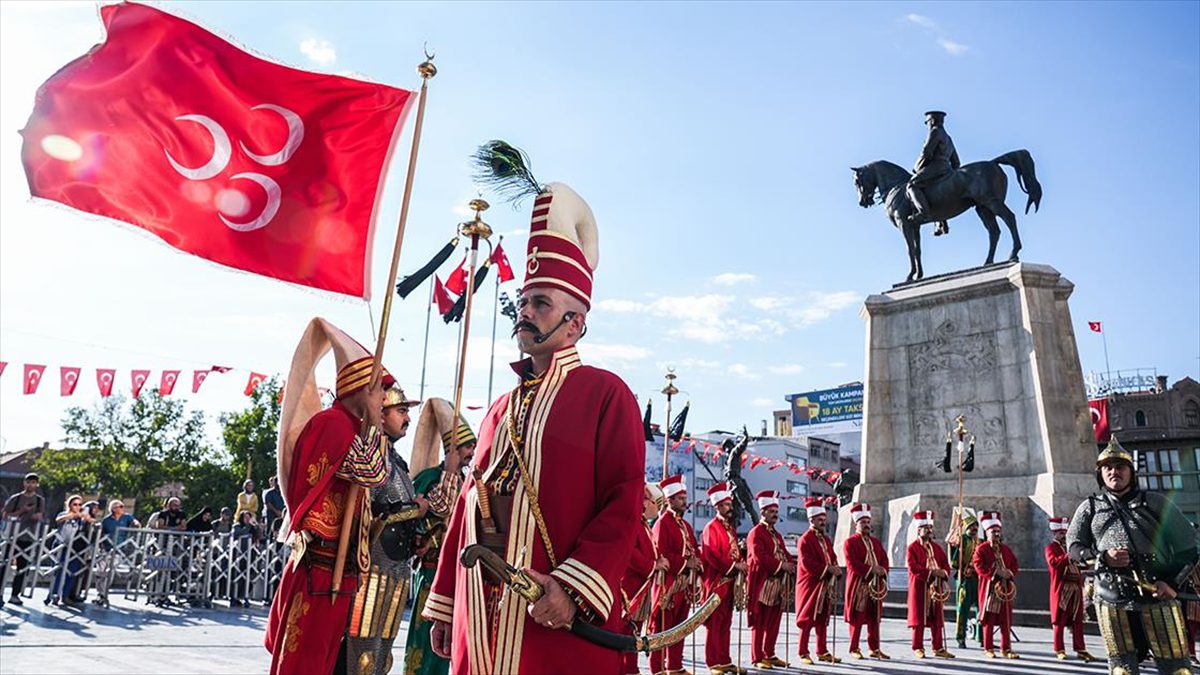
317,470
292,630
325,521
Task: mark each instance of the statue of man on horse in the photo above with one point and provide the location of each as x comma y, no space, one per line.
942,189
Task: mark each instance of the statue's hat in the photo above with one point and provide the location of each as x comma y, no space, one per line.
935,113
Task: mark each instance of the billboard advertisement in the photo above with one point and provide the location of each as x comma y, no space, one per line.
827,411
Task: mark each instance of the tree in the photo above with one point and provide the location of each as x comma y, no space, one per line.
122,448
252,435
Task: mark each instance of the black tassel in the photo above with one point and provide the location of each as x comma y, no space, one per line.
679,422
646,424
969,462
410,282
460,305
505,170
944,465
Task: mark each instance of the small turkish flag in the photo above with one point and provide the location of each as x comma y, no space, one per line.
1099,410
3,365
138,379
33,377
104,380
441,297
503,268
217,152
68,378
252,383
221,369
167,384
1095,326
198,378
456,283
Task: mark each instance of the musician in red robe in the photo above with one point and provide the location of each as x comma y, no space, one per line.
997,567
1066,593
815,582
771,568
866,573
724,570
639,575
561,460
322,453
928,588
674,595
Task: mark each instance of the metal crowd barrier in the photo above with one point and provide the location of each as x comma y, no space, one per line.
163,566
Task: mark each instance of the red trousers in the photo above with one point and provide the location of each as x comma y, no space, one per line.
674,654
1076,637
765,633
1003,621
872,635
936,631
822,625
716,640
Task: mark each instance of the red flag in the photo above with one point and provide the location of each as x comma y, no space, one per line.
441,297
503,268
167,384
198,377
68,378
33,377
1099,410
3,365
221,154
138,379
220,369
104,380
1095,326
456,283
252,383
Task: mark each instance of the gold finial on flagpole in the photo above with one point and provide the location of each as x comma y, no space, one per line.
669,390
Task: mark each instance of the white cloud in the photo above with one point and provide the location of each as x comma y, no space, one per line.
619,306
787,369
320,52
743,371
819,306
612,355
922,21
689,364
768,303
837,364
733,278
763,402
951,46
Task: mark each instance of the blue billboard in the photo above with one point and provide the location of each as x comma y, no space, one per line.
827,410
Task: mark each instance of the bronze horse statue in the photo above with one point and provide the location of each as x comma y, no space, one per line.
980,184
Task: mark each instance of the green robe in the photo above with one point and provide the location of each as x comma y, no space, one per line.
967,600
419,658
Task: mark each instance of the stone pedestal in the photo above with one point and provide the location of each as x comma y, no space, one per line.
995,344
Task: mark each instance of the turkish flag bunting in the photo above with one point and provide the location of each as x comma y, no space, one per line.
503,268
33,377
1099,410
3,365
252,383
220,369
1095,326
219,153
68,378
104,380
441,297
138,379
167,384
198,378
456,283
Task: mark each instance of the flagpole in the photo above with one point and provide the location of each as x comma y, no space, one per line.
476,229
426,70
1107,368
495,314
425,349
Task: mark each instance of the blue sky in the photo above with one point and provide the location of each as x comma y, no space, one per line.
713,142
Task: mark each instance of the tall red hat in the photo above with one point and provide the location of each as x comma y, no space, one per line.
767,498
1057,524
923,518
814,506
988,520
719,493
563,248
672,486
860,511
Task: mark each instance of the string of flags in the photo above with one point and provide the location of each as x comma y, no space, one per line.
715,451
827,500
106,379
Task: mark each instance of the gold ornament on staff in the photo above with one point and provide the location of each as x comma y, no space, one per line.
426,70
669,390
476,229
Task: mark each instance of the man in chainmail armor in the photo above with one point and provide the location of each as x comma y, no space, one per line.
1141,549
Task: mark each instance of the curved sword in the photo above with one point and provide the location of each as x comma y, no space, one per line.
532,591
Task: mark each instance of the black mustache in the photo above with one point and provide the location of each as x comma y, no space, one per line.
525,324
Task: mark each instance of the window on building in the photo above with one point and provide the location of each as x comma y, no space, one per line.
705,511
797,460
702,485
1159,470
795,487
1191,414
1139,419
796,513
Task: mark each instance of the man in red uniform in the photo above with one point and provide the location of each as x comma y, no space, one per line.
1066,593
639,575
997,567
771,569
677,543
561,459
866,573
815,582
321,454
928,588
724,568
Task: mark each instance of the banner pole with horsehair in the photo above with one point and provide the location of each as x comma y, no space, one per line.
669,390
425,349
426,70
495,315
476,230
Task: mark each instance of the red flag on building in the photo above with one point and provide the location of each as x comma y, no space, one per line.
441,297
138,380
68,378
219,153
166,385
104,380
456,283
1099,410
503,268
33,377
1095,326
198,377
252,383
